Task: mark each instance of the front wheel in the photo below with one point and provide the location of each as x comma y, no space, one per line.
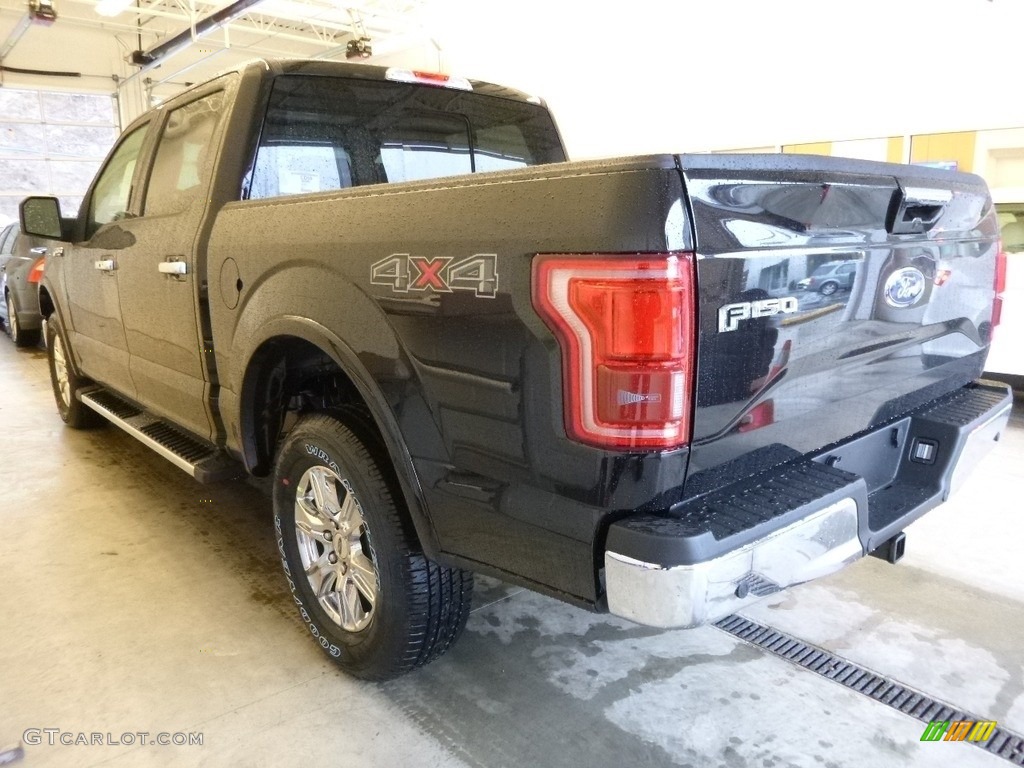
827,289
365,590
65,380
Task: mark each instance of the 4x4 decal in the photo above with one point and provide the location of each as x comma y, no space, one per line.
404,273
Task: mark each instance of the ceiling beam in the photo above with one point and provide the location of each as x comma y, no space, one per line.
151,56
12,39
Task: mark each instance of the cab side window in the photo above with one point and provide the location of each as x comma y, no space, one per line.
110,196
183,157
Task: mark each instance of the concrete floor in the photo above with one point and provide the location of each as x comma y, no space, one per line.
134,599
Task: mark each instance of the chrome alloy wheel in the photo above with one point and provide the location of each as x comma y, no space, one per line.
335,548
60,370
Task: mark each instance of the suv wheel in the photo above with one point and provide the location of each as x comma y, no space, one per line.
828,288
20,336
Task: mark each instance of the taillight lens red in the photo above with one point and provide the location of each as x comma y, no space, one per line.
625,324
36,273
1000,286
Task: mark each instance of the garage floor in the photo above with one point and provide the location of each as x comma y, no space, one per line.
134,599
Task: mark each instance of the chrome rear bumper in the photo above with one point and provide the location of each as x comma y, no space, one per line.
814,537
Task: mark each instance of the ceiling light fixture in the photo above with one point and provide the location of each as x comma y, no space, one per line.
42,12
112,7
358,48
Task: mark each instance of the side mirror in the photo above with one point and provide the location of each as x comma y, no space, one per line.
40,216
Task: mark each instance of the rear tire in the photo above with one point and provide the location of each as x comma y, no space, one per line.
66,380
20,336
365,590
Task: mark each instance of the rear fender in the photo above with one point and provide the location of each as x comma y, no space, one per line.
379,403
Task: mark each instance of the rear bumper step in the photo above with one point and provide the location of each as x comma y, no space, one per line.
204,461
802,520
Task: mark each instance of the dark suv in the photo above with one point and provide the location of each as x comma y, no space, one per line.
22,260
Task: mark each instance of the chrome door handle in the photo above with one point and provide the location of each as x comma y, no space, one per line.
105,265
39,250
173,267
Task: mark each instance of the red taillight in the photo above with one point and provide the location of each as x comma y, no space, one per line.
626,328
1000,285
36,273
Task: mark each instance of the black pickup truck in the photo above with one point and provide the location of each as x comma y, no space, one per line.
453,351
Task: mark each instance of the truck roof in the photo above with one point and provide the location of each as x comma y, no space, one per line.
274,67
322,68
374,72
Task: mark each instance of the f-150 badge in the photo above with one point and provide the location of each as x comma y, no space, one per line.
443,274
730,315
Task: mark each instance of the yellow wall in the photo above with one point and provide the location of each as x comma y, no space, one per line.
889,149
767,150
817,148
936,147
895,151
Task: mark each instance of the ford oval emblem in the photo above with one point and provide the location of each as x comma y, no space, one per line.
904,288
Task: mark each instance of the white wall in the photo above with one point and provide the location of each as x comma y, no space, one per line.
692,75
94,53
687,75
999,157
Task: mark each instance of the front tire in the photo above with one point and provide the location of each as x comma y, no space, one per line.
365,590
66,380
829,288
20,336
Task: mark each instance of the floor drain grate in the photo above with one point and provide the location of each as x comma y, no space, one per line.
1002,742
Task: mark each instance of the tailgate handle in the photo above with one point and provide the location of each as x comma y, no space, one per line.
918,210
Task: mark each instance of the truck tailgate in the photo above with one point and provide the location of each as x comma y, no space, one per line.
834,295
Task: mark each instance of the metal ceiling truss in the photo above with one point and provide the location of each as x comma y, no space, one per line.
320,20
189,36
316,23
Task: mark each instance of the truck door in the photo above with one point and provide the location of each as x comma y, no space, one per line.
160,285
90,268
